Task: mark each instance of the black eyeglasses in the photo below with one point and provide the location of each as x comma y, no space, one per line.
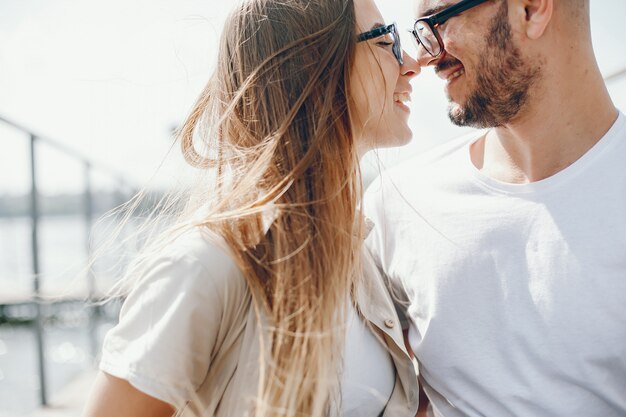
425,28
391,30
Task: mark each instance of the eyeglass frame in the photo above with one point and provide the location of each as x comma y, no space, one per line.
396,47
437,19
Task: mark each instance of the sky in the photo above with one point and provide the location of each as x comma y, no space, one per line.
112,79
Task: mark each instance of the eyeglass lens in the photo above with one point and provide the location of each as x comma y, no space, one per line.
397,48
427,38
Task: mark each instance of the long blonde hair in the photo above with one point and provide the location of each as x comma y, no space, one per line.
272,133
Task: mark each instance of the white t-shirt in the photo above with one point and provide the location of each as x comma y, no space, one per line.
368,376
170,327
518,291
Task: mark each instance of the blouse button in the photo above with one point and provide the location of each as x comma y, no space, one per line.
389,323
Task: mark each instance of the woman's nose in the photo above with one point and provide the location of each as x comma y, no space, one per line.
411,67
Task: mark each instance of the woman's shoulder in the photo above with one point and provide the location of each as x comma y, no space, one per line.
197,260
202,246
187,305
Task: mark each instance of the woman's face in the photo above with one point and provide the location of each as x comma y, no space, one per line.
379,86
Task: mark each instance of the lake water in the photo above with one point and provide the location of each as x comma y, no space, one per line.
69,336
63,255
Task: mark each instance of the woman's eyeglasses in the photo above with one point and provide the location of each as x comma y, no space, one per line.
390,30
425,28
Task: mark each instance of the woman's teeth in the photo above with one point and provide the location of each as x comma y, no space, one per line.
402,97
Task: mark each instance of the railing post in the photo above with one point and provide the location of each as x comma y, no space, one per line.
34,215
91,284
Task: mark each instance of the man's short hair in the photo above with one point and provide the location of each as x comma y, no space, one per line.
578,9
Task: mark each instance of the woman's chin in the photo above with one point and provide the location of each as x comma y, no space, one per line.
395,142
401,138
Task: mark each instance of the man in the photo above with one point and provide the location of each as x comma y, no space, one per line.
511,244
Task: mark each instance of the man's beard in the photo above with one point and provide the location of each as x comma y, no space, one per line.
503,80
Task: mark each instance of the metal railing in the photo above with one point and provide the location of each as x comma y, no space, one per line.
35,214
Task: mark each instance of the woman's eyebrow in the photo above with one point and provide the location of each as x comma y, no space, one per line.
377,25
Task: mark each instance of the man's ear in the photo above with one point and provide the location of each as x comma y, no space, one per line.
536,15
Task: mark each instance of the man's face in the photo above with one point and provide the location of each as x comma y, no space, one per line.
488,79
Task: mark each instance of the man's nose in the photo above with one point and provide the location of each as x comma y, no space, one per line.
424,58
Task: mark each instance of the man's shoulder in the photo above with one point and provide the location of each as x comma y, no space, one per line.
417,177
419,167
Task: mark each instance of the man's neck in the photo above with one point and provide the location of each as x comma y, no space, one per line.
562,123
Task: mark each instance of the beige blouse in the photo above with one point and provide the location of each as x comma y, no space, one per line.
188,334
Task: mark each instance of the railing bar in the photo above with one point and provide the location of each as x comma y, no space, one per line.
68,151
91,283
34,207
55,144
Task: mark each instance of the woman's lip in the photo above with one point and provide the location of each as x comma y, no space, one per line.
403,106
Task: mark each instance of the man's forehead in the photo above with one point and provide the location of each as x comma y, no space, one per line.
428,7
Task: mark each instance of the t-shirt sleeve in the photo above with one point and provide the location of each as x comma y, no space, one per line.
168,328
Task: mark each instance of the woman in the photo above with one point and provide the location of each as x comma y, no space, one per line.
259,300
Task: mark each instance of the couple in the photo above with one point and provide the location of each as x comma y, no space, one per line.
504,252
